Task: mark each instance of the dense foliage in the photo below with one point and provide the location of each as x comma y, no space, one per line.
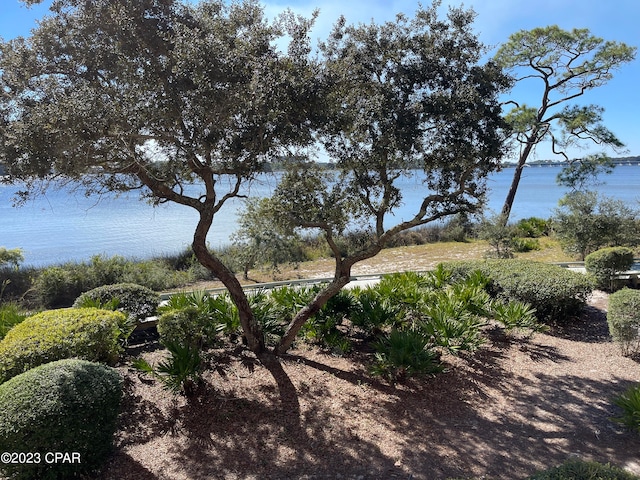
629,403
87,333
555,293
623,318
585,222
605,263
10,316
136,301
159,96
60,285
67,406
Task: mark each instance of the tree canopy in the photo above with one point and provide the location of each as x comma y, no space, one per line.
156,96
405,94
187,102
566,64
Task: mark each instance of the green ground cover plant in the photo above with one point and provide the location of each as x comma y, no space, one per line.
64,406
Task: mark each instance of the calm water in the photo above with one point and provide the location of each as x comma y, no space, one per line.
63,227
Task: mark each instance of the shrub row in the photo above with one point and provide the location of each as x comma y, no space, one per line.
556,294
59,286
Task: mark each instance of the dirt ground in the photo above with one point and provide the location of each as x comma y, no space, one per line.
515,407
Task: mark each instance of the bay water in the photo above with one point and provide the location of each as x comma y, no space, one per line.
63,226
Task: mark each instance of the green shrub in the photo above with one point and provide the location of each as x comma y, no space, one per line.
10,316
64,406
556,294
404,353
623,318
60,285
85,333
605,263
450,323
515,316
629,402
532,227
525,244
374,311
583,470
188,326
180,373
405,289
135,300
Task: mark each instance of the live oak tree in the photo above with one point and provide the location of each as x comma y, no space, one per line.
404,95
566,65
182,101
186,102
586,221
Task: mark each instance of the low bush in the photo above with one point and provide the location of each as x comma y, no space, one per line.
68,406
85,333
188,326
556,294
59,286
629,403
404,353
180,373
532,227
10,316
623,318
605,263
136,301
521,245
583,470
374,311
451,324
515,316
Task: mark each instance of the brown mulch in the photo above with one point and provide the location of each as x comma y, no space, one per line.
513,408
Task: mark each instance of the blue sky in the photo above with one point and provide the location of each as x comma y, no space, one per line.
496,20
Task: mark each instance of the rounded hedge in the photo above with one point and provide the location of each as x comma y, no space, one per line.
135,300
623,318
603,264
556,293
68,406
87,333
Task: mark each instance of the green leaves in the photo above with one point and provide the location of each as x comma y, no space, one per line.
629,402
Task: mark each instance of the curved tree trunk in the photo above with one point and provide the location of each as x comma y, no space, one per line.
250,327
339,281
